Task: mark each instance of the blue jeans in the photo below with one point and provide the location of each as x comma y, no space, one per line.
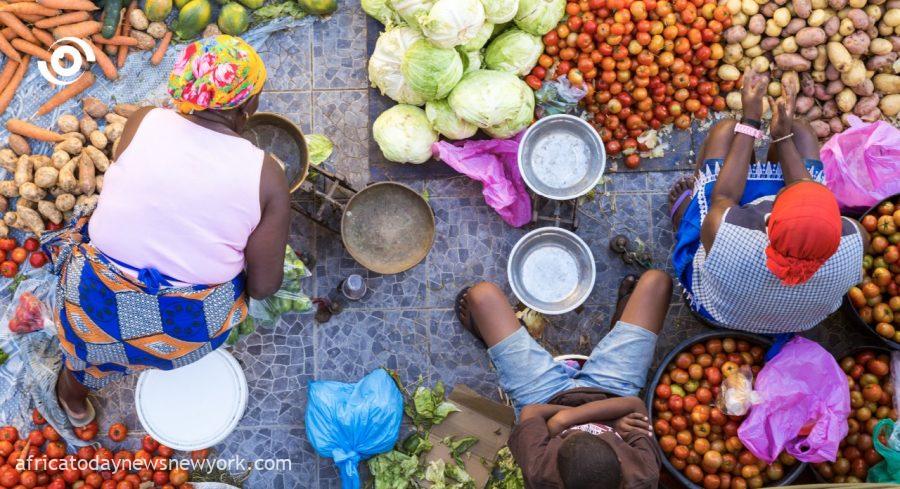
618,365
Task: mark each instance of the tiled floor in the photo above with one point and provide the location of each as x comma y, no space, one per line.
317,78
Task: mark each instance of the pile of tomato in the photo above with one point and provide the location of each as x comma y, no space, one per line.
877,297
13,255
696,436
645,63
144,468
871,400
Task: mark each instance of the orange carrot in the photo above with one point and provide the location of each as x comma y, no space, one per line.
45,37
32,49
115,40
7,49
69,4
106,64
18,1
28,8
8,33
31,19
13,22
10,89
9,69
161,49
67,18
122,55
29,130
69,91
80,29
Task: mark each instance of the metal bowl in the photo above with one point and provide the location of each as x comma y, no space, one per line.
283,140
551,270
388,228
561,157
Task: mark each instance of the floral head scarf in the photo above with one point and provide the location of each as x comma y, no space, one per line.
220,72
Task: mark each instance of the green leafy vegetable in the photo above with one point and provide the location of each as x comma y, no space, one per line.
393,470
459,446
3,356
288,8
416,444
448,476
508,473
320,148
430,406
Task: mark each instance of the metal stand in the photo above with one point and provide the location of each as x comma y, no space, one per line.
329,194
558,213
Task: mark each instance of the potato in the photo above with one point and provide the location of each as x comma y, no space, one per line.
733,6
760,64
138,20
100,161
40,161
46,177
742,64
750,8
792,62
831,26
67,180
865,88
880,46
769,43
733,101
821,60
772,29
145,42
856,3
891,18
807,86
845,28
873,12
810,53
125,110
67,123
94,107
804,103
878,63
753,52
839,56
728,73
774,89
865,105
857,43
834,87
9,189
789,45
802,8
8,159
98,139
4,204
855,75
113,131
822,93
59,158
157,30
735,34
750,40
818,17
887,84
30,191
890,105
831,73
70,145
87,125
75,135
87,202
29,219
740,18
86,172
793,27
24,170
837,5
65,202
782,16
115,119
757,24
845,100
18,144
829,109
836,125
767,9
99,179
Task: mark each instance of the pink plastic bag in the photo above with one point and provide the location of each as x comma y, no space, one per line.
804,406
493,162
862,163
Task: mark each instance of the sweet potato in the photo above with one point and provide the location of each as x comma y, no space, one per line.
67,180
24,170
67,123
113,118
101,162
50,212
72,146
29,219
810,36
99,179
836,125
40,161
59,159
113,131
8,159
30,191
814,113
138,19
87,125
9,189
94,107
98,139
145,41
792,62
829,109
18,144
65,202
46,177
86,172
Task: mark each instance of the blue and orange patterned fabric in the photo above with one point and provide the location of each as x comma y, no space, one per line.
111,325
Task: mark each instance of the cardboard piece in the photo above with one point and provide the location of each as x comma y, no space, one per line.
487,420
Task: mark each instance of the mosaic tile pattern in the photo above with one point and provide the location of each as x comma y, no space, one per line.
406,322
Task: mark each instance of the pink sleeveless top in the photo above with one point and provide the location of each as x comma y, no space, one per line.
182,199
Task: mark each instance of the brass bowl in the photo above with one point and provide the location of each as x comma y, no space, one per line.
388,228
281,138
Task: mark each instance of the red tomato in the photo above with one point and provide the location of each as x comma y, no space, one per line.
18,255
7,244
37,417
118,432
31,244
38,259
9,269
149,444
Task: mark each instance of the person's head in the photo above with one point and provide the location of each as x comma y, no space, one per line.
804,231
221,74
585,461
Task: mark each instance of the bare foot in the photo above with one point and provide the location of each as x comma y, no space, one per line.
484,311
685,184
72,393
626,287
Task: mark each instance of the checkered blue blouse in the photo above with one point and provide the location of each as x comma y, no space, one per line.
733,283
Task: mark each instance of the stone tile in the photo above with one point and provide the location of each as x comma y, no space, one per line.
471,244
356,342
115,403
458,186
662,181
288,58
339,49
279,362
631,181
273,444
341,115
662,238
457,357
579,331
296,106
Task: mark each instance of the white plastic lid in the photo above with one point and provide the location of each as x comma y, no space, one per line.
195,406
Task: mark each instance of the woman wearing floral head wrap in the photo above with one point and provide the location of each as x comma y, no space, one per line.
192,219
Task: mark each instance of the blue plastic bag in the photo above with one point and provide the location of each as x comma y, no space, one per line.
352,422
804,405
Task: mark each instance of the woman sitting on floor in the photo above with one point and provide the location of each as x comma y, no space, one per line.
192,219
762,247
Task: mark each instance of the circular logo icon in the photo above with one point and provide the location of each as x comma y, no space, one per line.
69,50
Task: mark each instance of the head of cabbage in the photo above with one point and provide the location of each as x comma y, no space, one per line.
452,23
515,51
385,65
404,134
496,101
381,11
539,16
411,10
500,11
483,36
431,71
446,122
472,60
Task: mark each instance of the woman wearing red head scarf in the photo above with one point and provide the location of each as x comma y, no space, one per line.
761,246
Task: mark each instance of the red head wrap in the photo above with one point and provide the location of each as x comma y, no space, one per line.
804,232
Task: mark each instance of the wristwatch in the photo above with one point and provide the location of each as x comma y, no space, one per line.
740,128
751,122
